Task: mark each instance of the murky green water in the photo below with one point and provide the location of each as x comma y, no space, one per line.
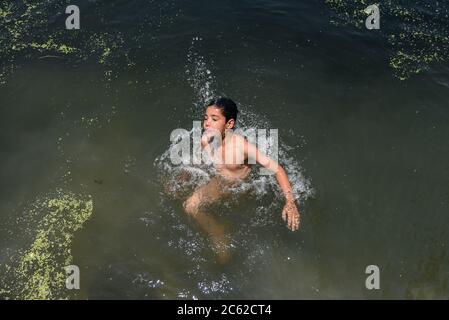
367,152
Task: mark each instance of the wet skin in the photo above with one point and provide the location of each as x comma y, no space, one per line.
229,153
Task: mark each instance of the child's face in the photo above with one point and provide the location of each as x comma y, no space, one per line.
214,119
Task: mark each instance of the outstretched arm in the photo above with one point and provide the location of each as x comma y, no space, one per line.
290,212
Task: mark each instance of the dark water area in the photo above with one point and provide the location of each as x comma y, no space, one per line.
366,151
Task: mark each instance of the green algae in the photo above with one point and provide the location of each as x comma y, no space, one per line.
51,46
27,32
37,273
416,32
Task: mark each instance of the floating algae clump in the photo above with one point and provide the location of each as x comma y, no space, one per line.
36,29
38,272
417,32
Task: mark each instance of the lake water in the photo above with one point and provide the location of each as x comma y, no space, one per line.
366,151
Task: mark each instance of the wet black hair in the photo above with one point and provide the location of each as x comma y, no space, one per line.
227,106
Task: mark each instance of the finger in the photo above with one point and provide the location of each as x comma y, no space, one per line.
294,223
290,222
284,215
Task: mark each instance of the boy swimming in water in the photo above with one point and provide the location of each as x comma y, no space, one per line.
230,153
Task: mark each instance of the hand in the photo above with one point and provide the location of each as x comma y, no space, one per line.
207,137
290,214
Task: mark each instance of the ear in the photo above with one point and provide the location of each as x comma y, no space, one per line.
230,124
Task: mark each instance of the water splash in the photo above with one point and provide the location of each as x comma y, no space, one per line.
199,75
181,180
